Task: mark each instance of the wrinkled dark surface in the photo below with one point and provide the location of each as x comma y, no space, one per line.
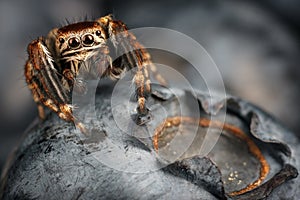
55,161
254,43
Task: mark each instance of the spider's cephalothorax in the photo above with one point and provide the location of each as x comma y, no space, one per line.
55,61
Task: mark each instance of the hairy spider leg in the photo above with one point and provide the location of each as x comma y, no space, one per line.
134,56
43,81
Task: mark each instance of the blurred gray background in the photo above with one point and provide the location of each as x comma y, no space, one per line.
255,45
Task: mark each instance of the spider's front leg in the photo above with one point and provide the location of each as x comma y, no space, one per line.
44,83
133,55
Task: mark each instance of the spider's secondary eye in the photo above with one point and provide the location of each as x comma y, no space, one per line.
88,40
98,33
74,42
61,40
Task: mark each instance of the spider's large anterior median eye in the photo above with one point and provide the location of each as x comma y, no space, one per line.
74,42
88,40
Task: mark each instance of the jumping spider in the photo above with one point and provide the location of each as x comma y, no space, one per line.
54,63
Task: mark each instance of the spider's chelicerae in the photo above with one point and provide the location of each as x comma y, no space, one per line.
55,61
